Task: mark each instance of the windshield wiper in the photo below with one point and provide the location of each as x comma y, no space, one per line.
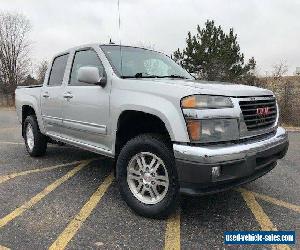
140,75
174,76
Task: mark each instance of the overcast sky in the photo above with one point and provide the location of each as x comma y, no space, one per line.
269,30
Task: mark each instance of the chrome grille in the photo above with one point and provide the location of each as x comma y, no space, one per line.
259,113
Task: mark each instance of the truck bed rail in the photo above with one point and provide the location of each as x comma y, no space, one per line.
29,86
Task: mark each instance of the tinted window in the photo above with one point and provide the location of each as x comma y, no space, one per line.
85,58
58,70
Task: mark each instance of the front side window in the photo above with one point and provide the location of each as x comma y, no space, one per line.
138,63
58,70
85,58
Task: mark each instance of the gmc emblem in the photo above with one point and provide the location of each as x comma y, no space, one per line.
263,112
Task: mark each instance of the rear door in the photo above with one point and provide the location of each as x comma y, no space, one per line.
52,96
86,106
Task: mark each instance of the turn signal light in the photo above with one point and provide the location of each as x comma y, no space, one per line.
194,129
189,102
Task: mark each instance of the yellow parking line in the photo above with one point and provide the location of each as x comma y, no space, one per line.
34,200
172,236
259,214
257,211
63,239
4,178
4,248
276,201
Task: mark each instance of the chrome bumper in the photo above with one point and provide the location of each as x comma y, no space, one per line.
224,153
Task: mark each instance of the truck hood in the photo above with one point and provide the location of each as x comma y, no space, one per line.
220,88
179,88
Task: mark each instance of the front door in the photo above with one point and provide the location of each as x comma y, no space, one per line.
51,96
86,106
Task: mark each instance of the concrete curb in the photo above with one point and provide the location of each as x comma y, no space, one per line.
292,129
2,108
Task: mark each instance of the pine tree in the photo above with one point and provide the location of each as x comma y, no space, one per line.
214,55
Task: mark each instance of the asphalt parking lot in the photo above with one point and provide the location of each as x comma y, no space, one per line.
69,199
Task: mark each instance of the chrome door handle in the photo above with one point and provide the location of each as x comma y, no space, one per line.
46,95
68,95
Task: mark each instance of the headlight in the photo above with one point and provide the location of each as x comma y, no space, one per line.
214,130
206,102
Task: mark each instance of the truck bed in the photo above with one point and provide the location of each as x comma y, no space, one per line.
28,95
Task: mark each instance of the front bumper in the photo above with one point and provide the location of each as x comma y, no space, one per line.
239,163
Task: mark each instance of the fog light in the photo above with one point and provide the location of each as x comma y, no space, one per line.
215,172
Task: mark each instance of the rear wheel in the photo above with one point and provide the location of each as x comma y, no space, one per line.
35,141
147,176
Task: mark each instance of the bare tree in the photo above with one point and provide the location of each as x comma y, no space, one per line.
41,71
285,90
14,50
280,69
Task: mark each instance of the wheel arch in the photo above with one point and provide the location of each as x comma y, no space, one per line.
133,122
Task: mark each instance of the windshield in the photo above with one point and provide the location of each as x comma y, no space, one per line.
143,63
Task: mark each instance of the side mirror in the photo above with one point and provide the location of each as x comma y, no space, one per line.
91,75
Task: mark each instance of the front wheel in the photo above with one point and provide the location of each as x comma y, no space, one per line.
35,141
147,177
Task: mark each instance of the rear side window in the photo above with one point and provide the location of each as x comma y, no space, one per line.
85,58
58,70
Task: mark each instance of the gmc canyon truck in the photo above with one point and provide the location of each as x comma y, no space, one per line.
168,133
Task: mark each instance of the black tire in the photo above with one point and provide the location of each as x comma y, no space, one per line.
40,141
154,145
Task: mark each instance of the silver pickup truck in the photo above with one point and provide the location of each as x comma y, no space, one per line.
167,132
